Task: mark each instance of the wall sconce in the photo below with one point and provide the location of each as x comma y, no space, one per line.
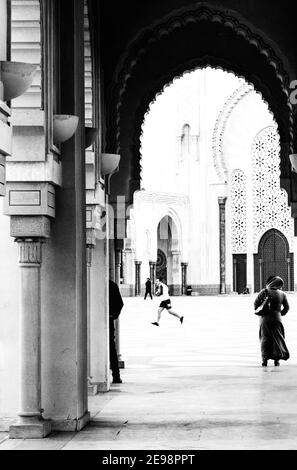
293,160
109,163
90,135
16,78
64,126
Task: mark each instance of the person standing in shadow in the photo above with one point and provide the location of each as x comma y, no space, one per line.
271,332
115,306
148,289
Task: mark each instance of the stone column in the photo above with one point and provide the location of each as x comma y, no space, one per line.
137,278
64,301
111,254
184,267
89,266
3,33
5,130
118,257
124,266
31,424
99,319
222,224
129,270
175,269
153,274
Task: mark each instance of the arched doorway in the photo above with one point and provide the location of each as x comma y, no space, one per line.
274,258
168,265
161,266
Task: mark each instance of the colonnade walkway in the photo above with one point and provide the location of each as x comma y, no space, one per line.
199,385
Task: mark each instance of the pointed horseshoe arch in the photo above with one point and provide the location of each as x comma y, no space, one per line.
194,38
274,259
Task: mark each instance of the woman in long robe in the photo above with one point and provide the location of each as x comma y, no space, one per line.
272,333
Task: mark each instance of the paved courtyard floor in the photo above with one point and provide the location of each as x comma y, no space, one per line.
199,385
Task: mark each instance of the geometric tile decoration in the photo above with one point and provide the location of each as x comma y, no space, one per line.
238,212
270,202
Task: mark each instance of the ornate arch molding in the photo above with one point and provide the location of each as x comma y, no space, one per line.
162,30
219,129
180,18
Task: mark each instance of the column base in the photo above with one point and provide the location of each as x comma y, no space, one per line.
71,424
92,389
103,387
30,428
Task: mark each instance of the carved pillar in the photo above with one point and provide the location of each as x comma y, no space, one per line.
222,223
175,272
184,267
153,274
31,423
137,278
234,274
118,257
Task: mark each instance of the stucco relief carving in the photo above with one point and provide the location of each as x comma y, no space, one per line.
270,202
177,20
219,129
238,212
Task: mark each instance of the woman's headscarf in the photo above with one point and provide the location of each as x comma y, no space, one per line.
274,282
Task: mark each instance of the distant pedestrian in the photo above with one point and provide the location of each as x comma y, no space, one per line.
148,289
163,292
272,333
115,306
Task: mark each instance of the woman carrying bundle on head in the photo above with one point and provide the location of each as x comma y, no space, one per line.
272,333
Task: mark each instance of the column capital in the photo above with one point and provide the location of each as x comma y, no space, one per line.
137,262
29,250
30,227
222,200
90,236
184,263
151,263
